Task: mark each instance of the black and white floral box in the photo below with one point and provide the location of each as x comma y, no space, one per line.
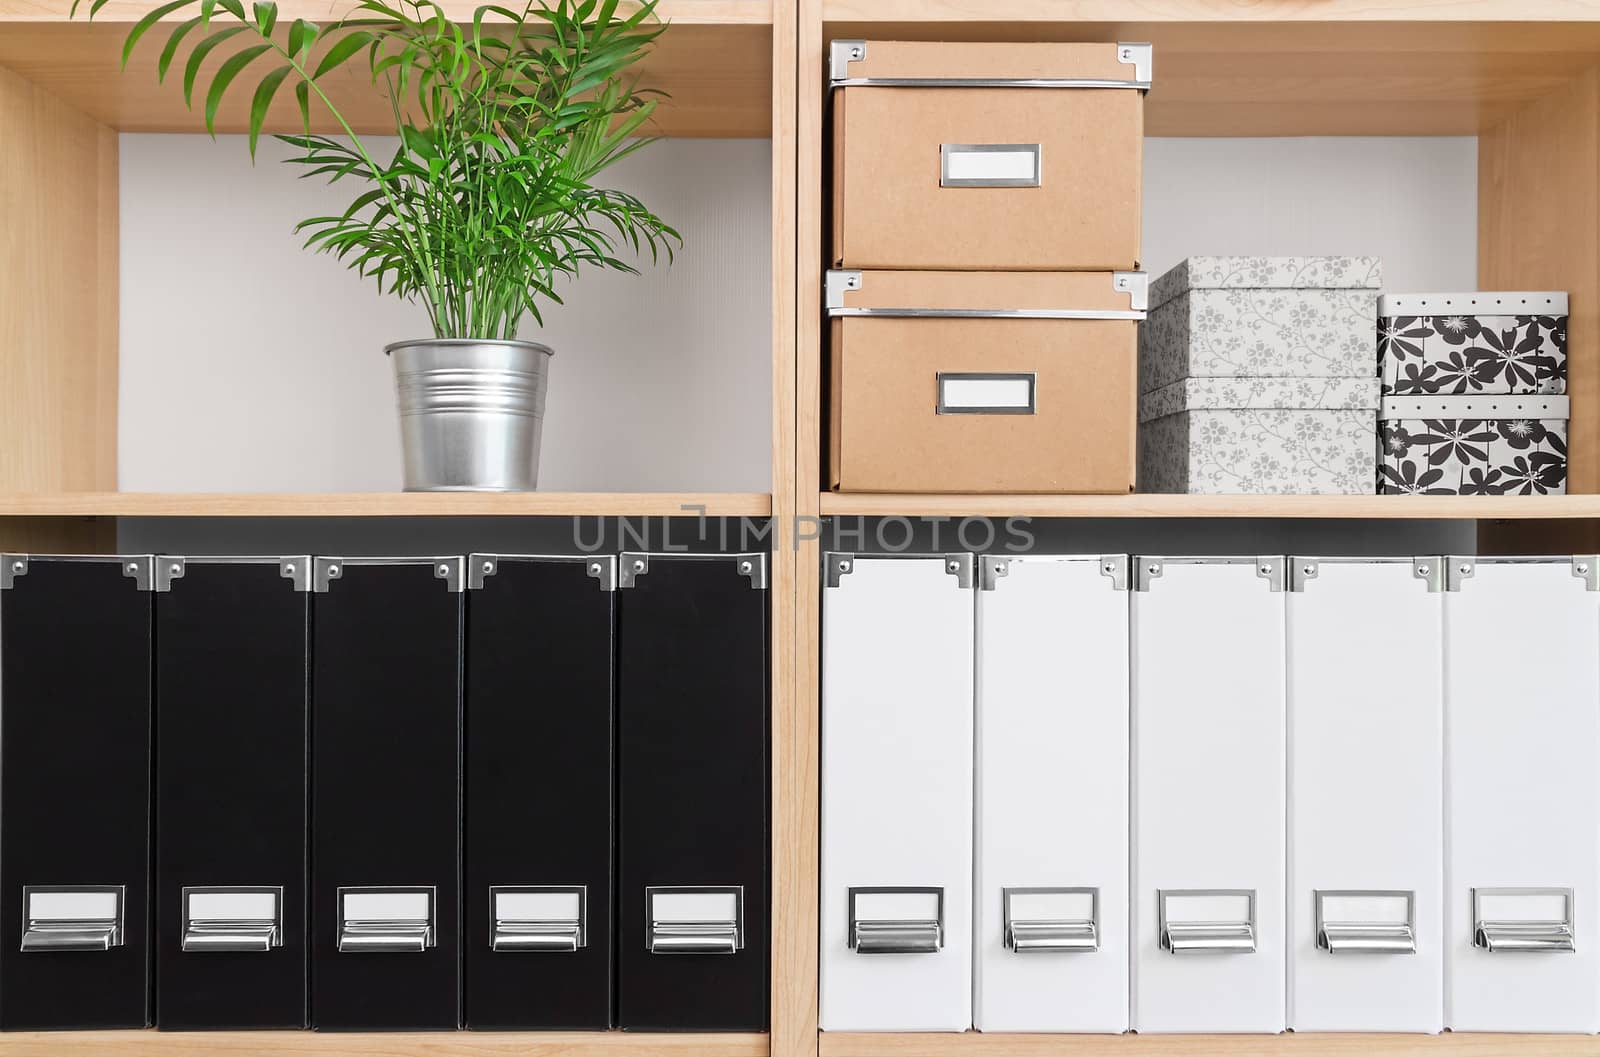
1486,444
1454,344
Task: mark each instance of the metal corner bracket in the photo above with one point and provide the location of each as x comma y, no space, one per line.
960,566
1136,285
837,564
451,571
479,568
297,570
603,569
1586,567
991,569
841,53
631,566
323,572
1458,567
1141,57
836,283
1302,570
753,567
11,567
168,567
1145,570
141,570
1271,569
1115,568
1430,571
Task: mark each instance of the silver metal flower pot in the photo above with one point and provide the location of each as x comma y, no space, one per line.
470,413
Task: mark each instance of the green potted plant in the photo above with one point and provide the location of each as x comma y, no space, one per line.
482,205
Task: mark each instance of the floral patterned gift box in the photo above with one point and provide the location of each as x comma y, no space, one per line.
1473,445
1260,317
1455,344
1310,436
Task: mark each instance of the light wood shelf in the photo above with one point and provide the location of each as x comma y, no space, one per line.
385,504
1210,11
715,62
1336,67
978,1044
1393,507
386,1044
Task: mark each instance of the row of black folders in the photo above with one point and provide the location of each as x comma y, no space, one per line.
500,792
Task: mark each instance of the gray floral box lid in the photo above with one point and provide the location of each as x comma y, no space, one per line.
1251,394
1267,273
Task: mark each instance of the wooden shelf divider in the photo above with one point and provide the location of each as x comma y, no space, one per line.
1395,507
386,504
1290,1044
378,1044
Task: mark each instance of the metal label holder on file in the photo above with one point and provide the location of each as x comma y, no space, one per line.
381,919
1045,920
550,918
694,919
1354,930
1496,934
1210,933
232,918
990,165
72,917
896,920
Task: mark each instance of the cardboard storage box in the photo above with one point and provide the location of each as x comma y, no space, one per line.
983,382
1488,444
1261,317
1443,344
987,156
1286,436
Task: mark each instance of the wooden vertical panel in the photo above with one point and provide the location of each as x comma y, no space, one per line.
1539,229
794,728
800,1037
58,300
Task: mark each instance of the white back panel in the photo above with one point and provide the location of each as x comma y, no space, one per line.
897,640
1366,753
1208,789
1052,788
1522,728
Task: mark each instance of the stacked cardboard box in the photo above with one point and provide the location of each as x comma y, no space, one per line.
985,298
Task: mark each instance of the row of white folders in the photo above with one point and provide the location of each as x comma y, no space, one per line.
1083,794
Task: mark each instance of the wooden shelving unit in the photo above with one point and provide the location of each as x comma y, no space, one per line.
1522,75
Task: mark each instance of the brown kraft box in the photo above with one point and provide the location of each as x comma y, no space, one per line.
889,208
887,430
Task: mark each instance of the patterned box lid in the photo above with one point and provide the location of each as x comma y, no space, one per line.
1255,394
1267,273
